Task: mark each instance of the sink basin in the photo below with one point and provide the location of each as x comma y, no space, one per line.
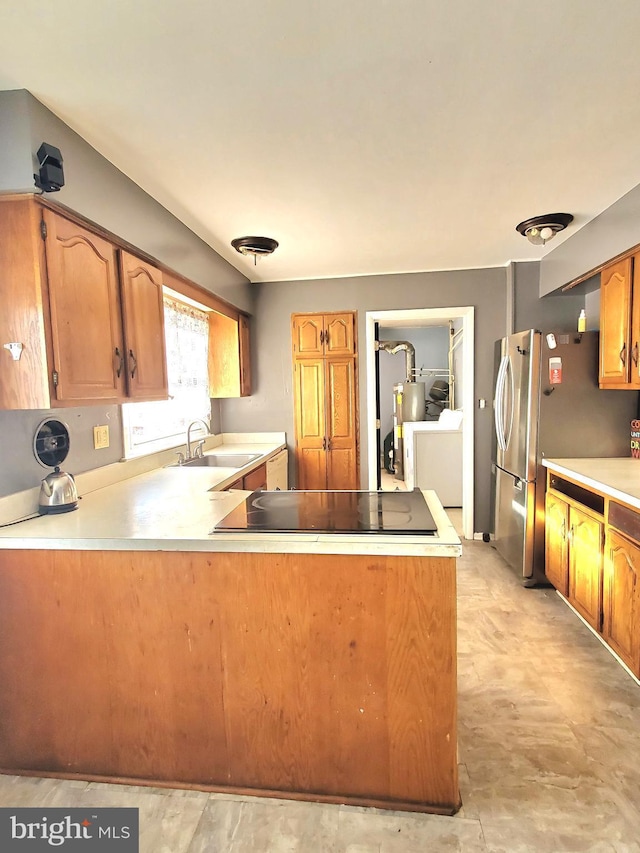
220,460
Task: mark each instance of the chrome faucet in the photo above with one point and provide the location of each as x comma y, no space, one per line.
199,447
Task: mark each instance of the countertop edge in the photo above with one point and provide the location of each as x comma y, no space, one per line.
609,481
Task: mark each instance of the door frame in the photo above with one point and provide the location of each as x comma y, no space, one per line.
430,316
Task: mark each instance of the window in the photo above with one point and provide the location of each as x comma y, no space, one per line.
149,427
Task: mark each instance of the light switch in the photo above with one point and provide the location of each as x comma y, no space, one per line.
100,437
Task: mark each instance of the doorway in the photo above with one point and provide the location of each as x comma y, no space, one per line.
420,318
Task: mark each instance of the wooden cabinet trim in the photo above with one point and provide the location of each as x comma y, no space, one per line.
180,283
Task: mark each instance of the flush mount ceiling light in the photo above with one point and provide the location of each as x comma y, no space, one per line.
540,229
256,246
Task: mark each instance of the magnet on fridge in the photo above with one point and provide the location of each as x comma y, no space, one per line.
555,370
551,341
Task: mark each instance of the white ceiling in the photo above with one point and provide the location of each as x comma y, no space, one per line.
366,136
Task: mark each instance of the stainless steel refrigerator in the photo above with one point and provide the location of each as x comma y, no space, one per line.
546,403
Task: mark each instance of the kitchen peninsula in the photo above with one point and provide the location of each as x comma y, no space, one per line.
136,645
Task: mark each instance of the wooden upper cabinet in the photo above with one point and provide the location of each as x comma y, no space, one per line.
143,314
229,356
634,362
616,347
323,334
244,355
25,381
339,334
86,330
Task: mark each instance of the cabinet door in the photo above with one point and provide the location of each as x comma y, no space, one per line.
229,356
308,334
244,355
143,312
556,530
85,312
615,321
25,382
339,334
341,396
585,565
256,480
311,441
634,366
621,599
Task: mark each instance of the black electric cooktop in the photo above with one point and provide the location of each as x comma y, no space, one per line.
331,512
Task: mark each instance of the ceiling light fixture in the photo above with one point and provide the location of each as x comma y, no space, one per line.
540,229
256,246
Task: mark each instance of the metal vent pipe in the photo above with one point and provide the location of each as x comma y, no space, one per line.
410,352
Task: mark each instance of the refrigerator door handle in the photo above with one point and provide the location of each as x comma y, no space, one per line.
502,419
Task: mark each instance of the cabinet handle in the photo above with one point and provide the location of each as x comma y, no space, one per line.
326,337
324,443
120,363
563,530
322,337
134,363
329,443
623,354
634,353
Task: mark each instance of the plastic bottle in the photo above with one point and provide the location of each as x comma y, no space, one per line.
582,321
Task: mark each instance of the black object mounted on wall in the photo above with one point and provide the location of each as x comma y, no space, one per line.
50,178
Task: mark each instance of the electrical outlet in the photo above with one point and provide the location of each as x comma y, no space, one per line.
100,437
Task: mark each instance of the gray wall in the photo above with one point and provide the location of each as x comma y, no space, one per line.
20,468
16,171
271,405
557,313
615,230
96,189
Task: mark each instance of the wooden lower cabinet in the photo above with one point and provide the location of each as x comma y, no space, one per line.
593,559
585,565
574,541
254,481
300,675
556,534
621,599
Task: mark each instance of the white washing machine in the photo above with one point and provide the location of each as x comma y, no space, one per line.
433,458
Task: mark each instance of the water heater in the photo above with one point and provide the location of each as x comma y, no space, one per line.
408,405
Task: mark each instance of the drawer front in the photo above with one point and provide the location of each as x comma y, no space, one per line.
625,520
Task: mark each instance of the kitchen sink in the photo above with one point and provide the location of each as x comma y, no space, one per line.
219,460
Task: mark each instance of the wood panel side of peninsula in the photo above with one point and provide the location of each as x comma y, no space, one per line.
319,677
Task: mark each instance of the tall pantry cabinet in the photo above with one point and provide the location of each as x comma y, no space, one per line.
325,397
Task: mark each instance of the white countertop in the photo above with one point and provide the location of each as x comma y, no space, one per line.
615,477
174,509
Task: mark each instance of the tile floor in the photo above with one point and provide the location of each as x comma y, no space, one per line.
549,744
